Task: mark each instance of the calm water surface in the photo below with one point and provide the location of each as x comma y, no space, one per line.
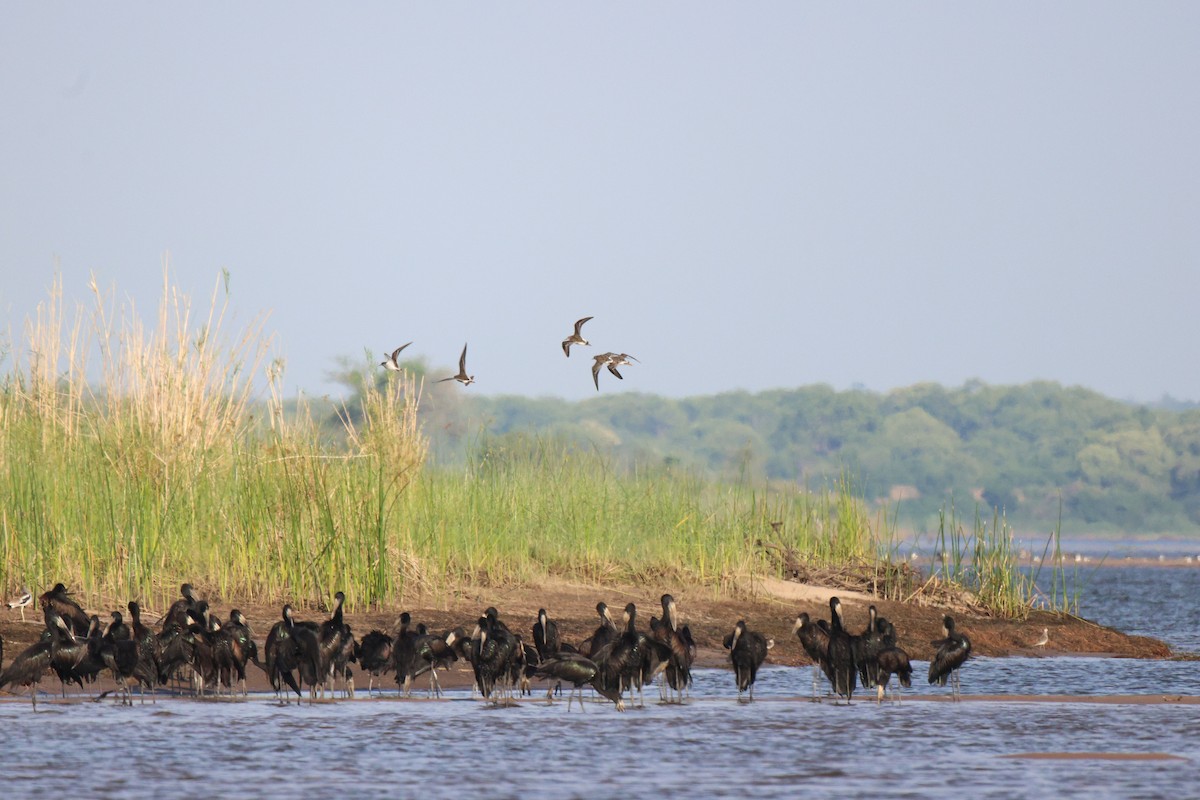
782,745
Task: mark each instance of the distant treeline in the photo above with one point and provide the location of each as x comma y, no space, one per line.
1028,450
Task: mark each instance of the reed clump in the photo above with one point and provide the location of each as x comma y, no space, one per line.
162,463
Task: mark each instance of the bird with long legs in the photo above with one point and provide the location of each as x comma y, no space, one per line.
579,670
22,601
147,643
546,642
841,667
953,649
866,648
814,639
888,662
677,677
31,663
434,652
374,653
747,651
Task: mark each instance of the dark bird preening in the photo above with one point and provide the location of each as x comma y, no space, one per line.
953,649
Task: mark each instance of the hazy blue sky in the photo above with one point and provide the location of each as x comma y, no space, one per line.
743,195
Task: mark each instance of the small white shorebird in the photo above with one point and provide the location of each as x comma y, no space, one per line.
22,601
392,364
1042,642
462,376
575,338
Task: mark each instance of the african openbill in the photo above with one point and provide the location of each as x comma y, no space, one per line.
433,652
628,661
888,662
31,664
815,641
404,653
233,648
866,648
374,653
678,639
841,668
952,650
59,601
119,654
293,648
148,645
577,670
177,614
604,634
545,635
492,651
747,650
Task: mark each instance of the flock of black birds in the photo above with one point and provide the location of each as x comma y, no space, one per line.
194,645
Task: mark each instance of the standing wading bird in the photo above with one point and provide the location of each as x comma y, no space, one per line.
623,661
545,641
888,662
678,639
866,647
575,338
952,650
282,658
604,634
31,663
434,651
22,601
59,601
841,669
747,650
374,653
177,614
578,670
815,641
462,376
148,649
391,364
1042,642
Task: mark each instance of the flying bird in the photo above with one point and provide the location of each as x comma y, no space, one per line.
575,338
462,376
619,360
602,360
391,364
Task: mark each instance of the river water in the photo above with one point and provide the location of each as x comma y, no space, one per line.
782,745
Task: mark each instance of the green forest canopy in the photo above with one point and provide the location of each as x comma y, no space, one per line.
1113,465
